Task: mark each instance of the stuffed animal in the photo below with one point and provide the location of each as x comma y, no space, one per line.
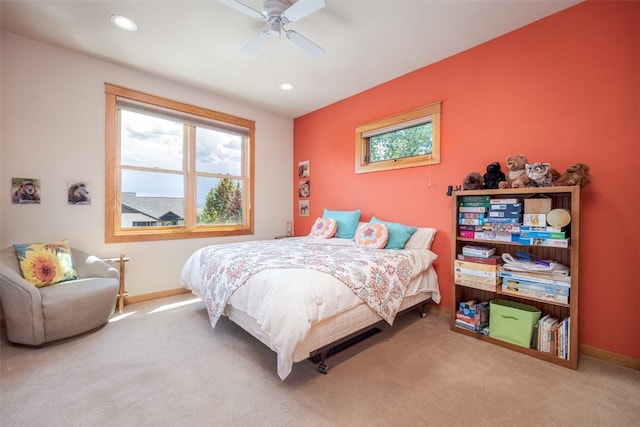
516,177
473,181
577,174
493,176
520,182
538,174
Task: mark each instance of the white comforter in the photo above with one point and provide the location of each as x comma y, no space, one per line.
286,311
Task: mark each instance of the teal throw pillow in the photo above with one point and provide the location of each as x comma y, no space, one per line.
347,222
398,233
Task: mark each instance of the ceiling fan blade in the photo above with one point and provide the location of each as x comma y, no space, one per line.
243,8
305,44
302,9
256,43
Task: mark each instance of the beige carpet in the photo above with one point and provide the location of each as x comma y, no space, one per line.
165,366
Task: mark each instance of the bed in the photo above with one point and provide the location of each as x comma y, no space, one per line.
301,296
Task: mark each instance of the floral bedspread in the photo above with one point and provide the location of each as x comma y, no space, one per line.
378,277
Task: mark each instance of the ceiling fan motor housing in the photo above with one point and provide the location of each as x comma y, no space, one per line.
278,13
274,9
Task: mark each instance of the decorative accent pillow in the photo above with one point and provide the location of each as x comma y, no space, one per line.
324,228
373,236
398,233
45,264
347,222
421,239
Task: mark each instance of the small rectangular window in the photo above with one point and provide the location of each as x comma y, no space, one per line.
404,140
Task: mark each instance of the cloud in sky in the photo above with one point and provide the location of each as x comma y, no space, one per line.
158,143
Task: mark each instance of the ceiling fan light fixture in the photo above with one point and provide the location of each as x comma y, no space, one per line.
277,14
123,22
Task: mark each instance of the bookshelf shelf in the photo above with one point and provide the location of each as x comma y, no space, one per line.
561,197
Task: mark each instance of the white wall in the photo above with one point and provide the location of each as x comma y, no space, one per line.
52,128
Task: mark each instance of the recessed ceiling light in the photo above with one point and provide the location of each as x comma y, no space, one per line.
124,22
286,86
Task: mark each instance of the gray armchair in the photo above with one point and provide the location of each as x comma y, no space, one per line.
34,316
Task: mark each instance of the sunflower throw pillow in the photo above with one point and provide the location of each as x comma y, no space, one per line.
45,264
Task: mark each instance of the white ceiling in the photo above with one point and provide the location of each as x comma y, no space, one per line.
367,42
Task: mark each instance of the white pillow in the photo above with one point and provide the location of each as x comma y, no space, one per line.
421,239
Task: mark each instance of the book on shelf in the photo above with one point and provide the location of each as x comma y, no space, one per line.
527,276
497,236
476,199
514,221
557,276
496,226
482,251
476,272
511,288
505,214
465,318
556,288
474,215
471,221
542,234
473,209
471,227
505,207
556,243
482,283
544,228
465,325
553,336
504,200
490,260
477,265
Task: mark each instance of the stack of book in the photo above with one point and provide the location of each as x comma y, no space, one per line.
477,267
543,236
483,217
473,315
553,336
503,220
471,215
543,286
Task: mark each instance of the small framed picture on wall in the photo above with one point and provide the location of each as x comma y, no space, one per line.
303,169
25,191
303,207
304,188
78,193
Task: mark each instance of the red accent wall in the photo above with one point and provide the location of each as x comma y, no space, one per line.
564,89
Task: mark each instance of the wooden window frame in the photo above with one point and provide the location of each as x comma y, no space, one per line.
432,110
114,233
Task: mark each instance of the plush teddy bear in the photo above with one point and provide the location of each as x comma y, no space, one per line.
539,174
473,181
493,175
516,177
577,174
521,181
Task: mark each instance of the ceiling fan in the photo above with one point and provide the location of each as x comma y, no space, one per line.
278,13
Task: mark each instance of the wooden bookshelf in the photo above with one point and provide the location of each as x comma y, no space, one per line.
561,197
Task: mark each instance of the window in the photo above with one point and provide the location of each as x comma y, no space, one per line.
175,171
404,140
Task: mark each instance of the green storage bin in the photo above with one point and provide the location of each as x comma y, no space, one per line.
512,321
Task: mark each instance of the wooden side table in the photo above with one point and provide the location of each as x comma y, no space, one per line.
121,292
